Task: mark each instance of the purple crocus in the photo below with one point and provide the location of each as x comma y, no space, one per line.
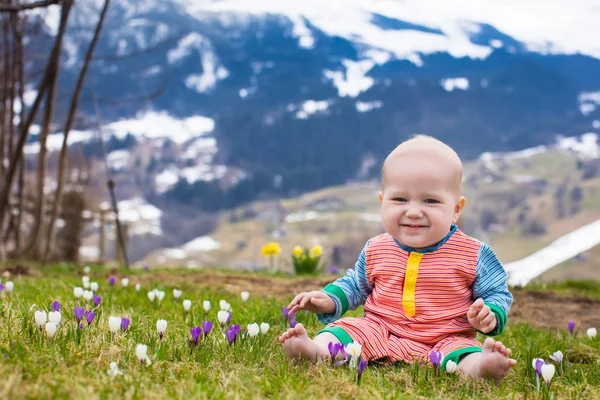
336,348
285,311
55,306
361,367
196,332
112,280
571,326
124,324
89,316
97,300
207,327
228,318
436,358
293,323
539,363
1,287
231,335
146,268
78,311
334,270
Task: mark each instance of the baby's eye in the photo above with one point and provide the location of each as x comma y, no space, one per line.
400,199
431,201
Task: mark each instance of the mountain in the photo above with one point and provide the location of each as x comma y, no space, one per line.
210,104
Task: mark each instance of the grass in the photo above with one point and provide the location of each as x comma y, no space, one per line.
34,367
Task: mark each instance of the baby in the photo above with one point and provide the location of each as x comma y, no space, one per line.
425,285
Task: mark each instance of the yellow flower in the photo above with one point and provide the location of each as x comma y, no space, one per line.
298,251
270,249
316,251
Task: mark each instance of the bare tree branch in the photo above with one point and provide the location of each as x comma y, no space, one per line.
71,115
29,6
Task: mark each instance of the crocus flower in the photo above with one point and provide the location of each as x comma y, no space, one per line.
9,287
78,311
146,267
55,317
557,356
245,295
85,280
114,369
591,332
89,316
285,311
176,294
334,349
196,332
206,306
361,368
571,326
451,366
222,317
114,323
88,295
55,306
160,295
124,324
94,287
224,306
1,287
151,295
112,280
161,327
537,364
228,318
141,352
187,304
125,282
334,270
231,335
78,292
293,323
253,329
354,350
436,358
138,287
40,319
87,269
97,300
207,327
547,372
50,329
264,328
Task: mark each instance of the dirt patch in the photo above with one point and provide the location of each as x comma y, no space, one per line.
15,270
543,309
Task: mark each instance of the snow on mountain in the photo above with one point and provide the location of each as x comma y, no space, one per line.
410,27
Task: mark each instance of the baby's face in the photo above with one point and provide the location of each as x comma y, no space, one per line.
420,200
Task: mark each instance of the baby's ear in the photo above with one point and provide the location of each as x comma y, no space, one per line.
458,209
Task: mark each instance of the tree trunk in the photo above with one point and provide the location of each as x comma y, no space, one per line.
70,117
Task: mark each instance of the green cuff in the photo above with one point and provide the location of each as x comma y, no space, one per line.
338,293
339,333
500,320
457,354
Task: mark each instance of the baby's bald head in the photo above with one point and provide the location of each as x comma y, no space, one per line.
423,148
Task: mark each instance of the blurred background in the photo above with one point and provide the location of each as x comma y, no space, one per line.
225,125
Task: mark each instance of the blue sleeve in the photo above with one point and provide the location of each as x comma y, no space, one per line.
349,291
490,285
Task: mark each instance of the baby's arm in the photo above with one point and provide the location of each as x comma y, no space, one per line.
349,291
490,285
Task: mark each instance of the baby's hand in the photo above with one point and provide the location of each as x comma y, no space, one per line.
481,317
316,302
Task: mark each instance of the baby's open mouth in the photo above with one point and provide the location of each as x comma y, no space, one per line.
414,226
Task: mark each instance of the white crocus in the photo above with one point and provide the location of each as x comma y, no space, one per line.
55,317
88,295
451,366
50,329
40,319
353,350
9,287
224,306
592,332
114,323
264,328
87,269
94,286
125,282
222,317
176,294
151,295
160,295
253,329
86,281
548,372
141,352
187,304
557,356
114,369
138,286
245,295
161,327
206,305
78,292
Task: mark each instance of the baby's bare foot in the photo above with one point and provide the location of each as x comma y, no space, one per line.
494,362
297,344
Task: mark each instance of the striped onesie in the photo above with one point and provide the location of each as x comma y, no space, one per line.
417,301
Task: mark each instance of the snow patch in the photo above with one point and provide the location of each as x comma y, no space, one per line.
301,31
203,243
586,145
455,83
166,179
310,107
368,106
354,81
118,159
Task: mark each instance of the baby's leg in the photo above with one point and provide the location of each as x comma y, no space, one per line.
297,344
492,362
